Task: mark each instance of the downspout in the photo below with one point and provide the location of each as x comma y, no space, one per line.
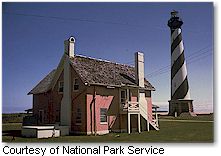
91,115
95,126
119,108
91,118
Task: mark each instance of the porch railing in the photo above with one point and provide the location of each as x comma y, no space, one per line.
130,106
133,106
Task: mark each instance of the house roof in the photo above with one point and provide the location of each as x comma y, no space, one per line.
44,85
96,71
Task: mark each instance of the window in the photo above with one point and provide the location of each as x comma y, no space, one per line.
130,95
123,99
78,116
61,86
75,84
123,96
41,116
103,115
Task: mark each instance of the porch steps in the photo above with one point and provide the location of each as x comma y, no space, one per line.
154,125
153,122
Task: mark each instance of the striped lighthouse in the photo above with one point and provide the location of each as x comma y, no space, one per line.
180,91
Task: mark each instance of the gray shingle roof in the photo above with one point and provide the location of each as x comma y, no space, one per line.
95,71
44,84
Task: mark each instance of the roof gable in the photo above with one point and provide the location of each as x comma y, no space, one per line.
44,85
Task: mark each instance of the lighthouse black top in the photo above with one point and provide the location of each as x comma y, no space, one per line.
174,22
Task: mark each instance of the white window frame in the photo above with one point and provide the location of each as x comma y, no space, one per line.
123,100
76,83
103,115
59,86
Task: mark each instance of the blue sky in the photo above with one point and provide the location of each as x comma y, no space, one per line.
33,36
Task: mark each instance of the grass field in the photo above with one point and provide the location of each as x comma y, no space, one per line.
14,117
171,130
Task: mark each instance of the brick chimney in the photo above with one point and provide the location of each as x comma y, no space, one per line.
139,69
69,46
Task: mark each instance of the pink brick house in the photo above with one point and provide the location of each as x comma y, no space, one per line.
93,96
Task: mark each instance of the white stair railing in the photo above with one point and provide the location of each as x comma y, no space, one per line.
132,106
150,118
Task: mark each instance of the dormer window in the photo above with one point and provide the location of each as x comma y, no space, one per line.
76,84
61,86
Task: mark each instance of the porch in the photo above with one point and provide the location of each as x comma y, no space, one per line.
139,105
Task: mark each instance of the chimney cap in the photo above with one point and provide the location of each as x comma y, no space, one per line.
71,39
139,53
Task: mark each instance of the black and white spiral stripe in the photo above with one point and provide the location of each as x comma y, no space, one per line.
179,82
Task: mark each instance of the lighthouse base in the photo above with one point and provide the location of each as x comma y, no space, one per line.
176,107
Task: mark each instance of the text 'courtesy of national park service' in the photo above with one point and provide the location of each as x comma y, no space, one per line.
78,150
